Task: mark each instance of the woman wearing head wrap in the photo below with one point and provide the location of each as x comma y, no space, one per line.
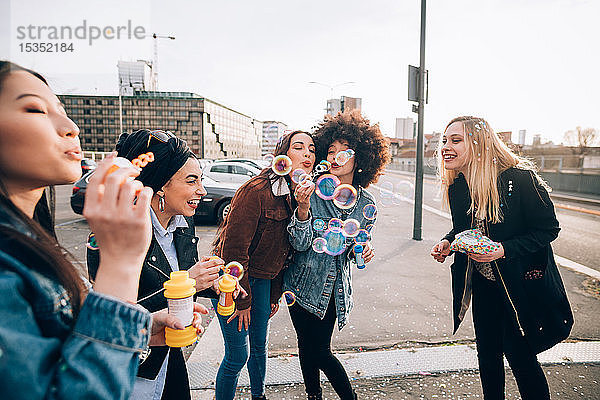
175,176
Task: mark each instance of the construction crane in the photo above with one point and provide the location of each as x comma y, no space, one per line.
154,65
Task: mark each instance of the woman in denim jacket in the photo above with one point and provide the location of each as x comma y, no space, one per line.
57,340
322,283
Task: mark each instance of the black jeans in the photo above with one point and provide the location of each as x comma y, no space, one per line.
314,347
496,334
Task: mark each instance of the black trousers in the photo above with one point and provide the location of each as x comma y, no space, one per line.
314,347
496,334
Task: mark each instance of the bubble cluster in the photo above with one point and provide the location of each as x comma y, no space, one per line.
326,185
289,297
345,196
298,175
282,165
395,194
323,166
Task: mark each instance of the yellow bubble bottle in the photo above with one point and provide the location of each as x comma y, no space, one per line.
179,291
226,304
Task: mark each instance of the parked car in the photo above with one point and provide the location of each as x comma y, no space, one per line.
87,165
260,164
231,172
214,206
78,193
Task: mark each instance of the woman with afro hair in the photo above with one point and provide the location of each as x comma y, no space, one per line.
321,282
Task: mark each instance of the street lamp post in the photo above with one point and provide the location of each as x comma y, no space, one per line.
418,212
331,87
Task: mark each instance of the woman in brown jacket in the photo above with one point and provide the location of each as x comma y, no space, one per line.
254,234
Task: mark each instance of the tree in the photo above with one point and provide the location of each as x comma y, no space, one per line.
582,139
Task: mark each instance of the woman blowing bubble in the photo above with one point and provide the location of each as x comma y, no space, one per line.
519,303
57,339
320,276
254,234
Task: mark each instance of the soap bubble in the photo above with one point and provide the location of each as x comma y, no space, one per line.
234,269
318,224
370,212
335,224
343,157
305,180
404,191
345,196
350,227
282,165
268,158
289,297
336,242
91,243
297,175
326,185
326,164
396,193
362,236
319,245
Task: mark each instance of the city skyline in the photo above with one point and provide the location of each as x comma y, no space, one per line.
520,65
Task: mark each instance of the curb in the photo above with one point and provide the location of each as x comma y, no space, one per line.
386,363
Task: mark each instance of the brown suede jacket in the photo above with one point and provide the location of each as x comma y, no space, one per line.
255,232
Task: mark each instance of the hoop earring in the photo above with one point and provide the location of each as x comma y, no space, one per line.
161,204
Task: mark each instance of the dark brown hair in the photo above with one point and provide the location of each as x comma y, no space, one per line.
371,148
41,253
282,148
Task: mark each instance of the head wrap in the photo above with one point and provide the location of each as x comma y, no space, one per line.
169,156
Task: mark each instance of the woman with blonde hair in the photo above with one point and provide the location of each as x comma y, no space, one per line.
520,307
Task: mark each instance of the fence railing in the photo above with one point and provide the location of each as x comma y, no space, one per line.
566,180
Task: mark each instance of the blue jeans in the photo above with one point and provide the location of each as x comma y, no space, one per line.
237,346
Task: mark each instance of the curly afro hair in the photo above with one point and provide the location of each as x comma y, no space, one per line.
371,148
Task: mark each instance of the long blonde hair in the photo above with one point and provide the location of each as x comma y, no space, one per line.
488,157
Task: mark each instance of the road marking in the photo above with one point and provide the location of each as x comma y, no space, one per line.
572,265
565,262
70,222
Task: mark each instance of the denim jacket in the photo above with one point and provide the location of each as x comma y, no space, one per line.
312,276
47,354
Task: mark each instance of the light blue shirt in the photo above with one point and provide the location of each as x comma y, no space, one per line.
146,389
164,237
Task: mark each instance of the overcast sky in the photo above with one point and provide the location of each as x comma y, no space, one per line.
524,64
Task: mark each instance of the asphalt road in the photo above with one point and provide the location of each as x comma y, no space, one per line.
402,299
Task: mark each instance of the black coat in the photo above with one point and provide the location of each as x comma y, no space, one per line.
539,307
155,272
